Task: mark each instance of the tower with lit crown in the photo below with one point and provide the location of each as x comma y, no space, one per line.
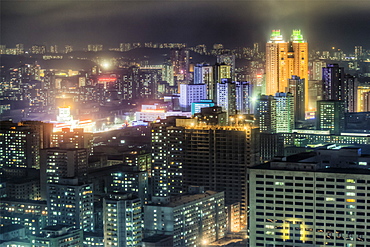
285,59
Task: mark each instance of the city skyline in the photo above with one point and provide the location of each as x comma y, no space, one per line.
232,23
200,138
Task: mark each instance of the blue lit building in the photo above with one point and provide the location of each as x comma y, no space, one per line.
197,106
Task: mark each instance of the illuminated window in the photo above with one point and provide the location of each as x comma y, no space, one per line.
350,200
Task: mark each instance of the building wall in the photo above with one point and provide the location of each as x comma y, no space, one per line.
122,221
302,208
191,222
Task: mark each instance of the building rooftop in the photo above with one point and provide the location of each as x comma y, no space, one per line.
267,166
181,200
10,228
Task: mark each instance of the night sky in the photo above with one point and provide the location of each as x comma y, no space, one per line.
342,24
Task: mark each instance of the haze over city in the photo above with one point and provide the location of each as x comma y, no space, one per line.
341,24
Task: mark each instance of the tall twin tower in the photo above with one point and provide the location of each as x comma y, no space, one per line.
285,59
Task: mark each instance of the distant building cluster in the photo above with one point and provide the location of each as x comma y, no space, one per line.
252,148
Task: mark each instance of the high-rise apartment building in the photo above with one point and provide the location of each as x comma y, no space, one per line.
339,86
130,181
216,157
266,114
226,96
228,59
123,220
203,74
314,94
333,82
75,138
94,47
244,103
180,62
315,68
212,156
21,143
285,59
222,71
167,158
296,88
71,203
284,106
192,219
38,49
190,93
125,46
359,52
19,49
68,48
310,199
363,98
57,163
275,114
330,115
350,97
53,49
28,213
146,85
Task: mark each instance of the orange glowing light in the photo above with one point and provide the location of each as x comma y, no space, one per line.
107,79
152,110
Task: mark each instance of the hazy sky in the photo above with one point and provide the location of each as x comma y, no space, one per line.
324,23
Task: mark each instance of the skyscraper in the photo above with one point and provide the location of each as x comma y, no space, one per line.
226,96
285,59
296,88
212,156
244,102
216,157
122,220
284,112
227,59
275,114
180,63
266,114
203,74
333,82
167,158
339,86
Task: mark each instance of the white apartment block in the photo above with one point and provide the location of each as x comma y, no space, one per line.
122,220
193,220
311,202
